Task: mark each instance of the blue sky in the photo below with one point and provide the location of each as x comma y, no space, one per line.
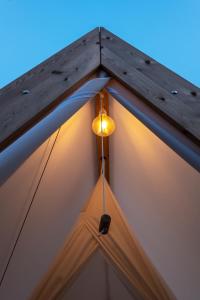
32,30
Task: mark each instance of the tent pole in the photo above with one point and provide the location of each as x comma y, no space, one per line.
15,154
173,141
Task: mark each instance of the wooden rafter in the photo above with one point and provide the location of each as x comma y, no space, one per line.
174,97
27,99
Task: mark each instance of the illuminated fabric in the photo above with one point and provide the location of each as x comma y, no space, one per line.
119,247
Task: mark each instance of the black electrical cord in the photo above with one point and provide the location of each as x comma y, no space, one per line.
27,213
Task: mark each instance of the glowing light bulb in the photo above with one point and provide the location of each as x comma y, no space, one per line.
103,125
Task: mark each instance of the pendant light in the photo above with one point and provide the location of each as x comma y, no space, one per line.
103,125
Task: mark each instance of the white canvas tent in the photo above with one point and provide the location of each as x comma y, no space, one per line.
157,190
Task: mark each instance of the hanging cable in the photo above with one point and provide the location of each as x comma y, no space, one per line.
30,204
105,218
102,156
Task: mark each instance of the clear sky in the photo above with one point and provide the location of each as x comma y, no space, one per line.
33,30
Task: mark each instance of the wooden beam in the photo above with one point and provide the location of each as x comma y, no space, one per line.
106,139
172,96
27,99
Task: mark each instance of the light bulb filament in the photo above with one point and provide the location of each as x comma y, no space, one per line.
103,125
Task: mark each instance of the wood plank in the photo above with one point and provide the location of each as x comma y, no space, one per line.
106,139
154,83
30,97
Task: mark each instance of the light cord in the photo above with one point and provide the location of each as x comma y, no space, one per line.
102,157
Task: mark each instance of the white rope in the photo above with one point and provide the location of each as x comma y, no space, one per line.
102,158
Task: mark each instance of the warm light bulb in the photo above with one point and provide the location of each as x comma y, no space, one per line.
103,125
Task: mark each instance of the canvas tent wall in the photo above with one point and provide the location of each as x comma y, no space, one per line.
157,190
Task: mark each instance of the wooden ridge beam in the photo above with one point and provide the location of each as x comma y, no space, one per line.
27,99
172,96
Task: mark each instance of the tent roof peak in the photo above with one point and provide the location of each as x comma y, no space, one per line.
27,99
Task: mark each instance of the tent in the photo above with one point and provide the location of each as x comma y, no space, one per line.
50,162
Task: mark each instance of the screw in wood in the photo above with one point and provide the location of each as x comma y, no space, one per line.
174,92
25,92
